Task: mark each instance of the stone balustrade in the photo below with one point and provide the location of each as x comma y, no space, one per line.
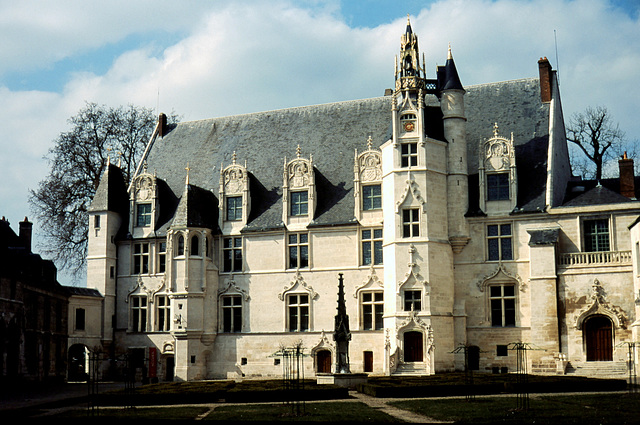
594,258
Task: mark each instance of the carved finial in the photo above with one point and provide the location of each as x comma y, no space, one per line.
369,143
188,169
298,151
233,158
495,129
144,167
408,20
119,159
449,55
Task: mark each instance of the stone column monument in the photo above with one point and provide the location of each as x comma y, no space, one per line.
341,333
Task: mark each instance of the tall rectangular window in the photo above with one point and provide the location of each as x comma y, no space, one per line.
140,258
499,242
410,223
162,257
299,203
298,313
408,155
143,215
96,221
372,310
232,255
502,300
80,319
139,313
232,313
412,300
298,250
371,246
234,208
596,235
371,197
163,313
498,187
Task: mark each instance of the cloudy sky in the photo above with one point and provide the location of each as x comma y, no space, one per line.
202,59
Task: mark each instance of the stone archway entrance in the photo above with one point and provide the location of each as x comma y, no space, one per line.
413,346
598,334
323,361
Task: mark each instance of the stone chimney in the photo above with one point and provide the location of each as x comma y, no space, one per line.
162,124
26,229
627,179
546,75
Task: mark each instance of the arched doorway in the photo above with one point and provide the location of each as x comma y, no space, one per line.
413,349
323,361
77,363
598,334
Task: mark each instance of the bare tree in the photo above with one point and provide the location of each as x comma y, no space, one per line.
597,137
62,199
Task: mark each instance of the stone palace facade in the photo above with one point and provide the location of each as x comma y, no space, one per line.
451,212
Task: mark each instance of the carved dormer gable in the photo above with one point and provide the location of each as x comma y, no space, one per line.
298,191
368,185
497,172
143,204
234,196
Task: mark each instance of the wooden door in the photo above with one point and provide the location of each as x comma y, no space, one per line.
323,359
413,346
599,339
368,361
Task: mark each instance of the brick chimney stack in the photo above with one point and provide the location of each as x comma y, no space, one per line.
26,229
627,179
162,124
545,79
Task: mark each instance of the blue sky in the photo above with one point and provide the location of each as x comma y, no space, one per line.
202,59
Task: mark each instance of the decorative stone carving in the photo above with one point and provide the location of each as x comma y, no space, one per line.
298,283
600,305
232,287
371,282
411,189
501,275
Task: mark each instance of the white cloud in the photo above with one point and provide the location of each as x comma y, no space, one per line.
237,57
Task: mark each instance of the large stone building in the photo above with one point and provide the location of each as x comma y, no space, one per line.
33,311
450,211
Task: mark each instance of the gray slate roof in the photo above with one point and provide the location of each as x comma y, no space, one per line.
331,133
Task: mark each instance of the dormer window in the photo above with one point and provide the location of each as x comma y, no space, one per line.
298,191
143,209
299,203
234,196
234,208
497,175
498,187
143,215
371,197
368,185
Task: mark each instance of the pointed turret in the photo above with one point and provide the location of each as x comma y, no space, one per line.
448,75
409,73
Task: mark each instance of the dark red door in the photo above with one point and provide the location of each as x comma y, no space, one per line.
413,346
323,359
599,338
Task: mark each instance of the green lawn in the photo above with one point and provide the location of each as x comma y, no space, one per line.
310,412
573,409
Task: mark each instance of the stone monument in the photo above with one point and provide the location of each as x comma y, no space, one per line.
342,335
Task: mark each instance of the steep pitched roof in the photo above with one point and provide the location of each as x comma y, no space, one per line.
111,194
331,133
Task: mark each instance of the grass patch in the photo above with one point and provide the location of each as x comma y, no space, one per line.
452,384
575,409
163,413
353,412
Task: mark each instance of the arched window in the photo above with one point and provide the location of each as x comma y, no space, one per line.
195,245
180,247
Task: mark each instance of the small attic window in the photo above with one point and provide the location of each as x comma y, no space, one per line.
143,215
